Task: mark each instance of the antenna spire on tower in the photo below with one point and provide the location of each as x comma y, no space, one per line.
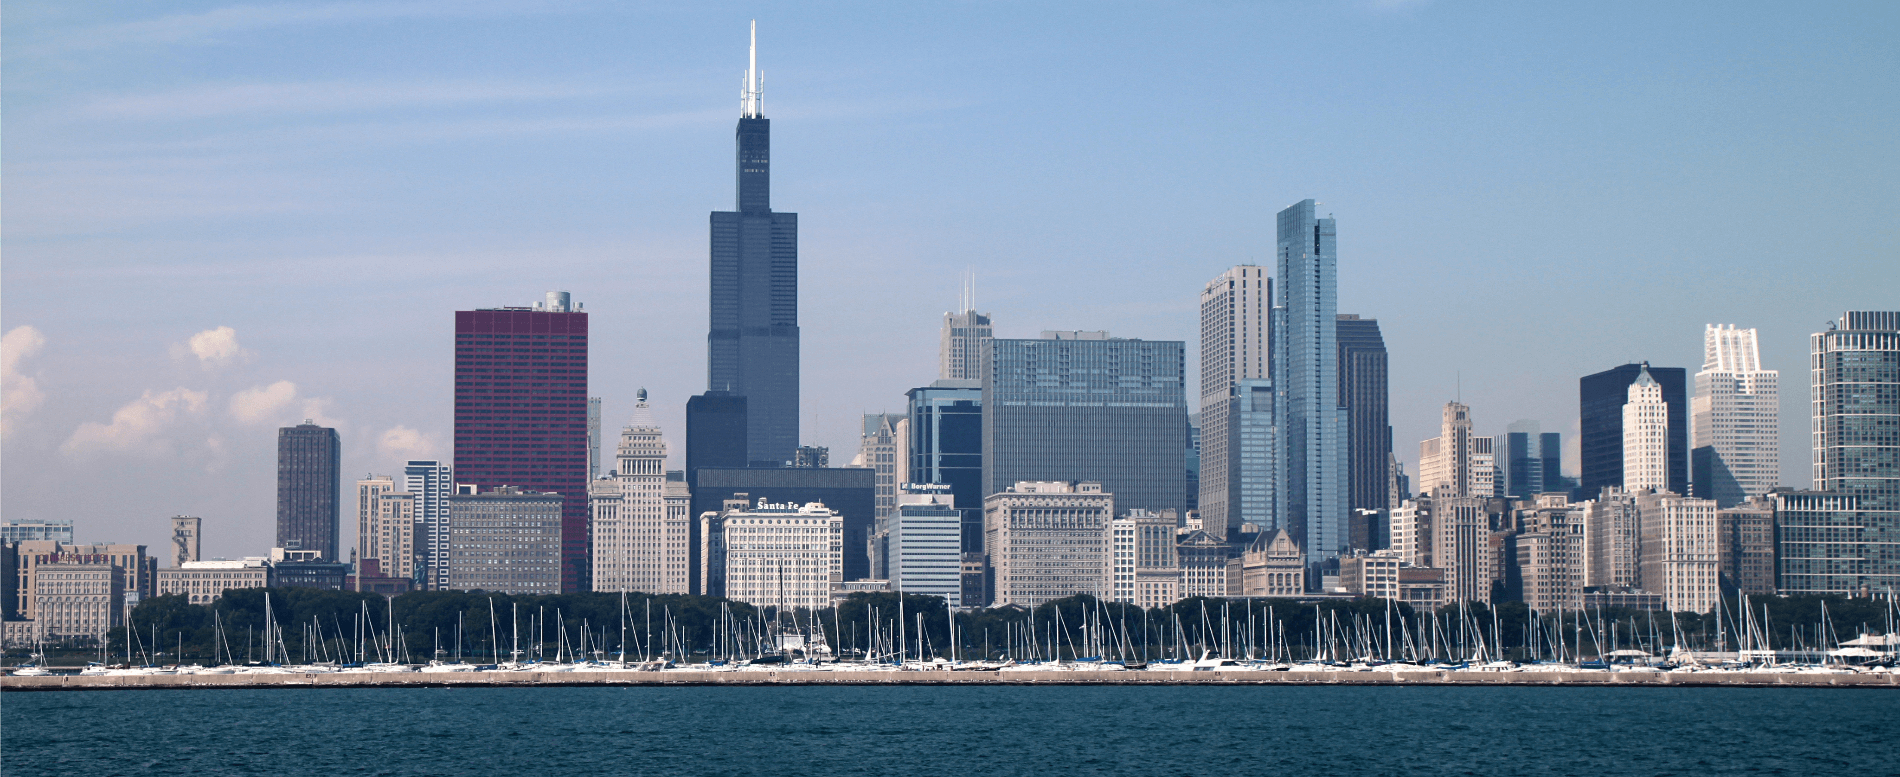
752,92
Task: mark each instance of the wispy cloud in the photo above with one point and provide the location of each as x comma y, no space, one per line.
211,25
320,97
402,443
262,403
20,394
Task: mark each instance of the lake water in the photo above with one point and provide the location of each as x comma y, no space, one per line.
955,732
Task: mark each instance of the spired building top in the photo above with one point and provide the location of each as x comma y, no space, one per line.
752,342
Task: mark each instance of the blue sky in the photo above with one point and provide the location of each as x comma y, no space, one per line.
1526,193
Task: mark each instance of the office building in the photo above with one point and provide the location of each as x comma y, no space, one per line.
1735,419
946,447
752,342
1411,535
138,571
521,411
432,483
1457,461
1745,543
1085,406
847,491
36,530
389,537
641,543
1612,540
1048,540
185,535
960,356
809,457
1544,557
1828,542
1305,369
1423,588
309,485
1677,551
885,448
506,540
1374,574
923,541
1844,537
1236,347
1194,463
716,432
368,491
1856,411
1461,546
1530,461
1645,436
1203,558
1147,569
1273,566
772,554
77,598
203,582
1600,433
1362,392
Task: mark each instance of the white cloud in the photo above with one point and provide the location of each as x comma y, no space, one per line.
262,403
213,347
19,394
136,423
402,442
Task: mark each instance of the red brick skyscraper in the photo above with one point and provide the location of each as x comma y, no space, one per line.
521,411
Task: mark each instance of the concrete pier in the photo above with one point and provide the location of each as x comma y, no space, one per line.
797,677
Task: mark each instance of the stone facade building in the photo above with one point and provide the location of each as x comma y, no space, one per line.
1048,540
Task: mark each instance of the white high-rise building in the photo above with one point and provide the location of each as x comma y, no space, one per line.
777,555
925,545
1734,424
1678,551
432,482
1236,359
884,448
1645,436
636,548
1464,464
368,491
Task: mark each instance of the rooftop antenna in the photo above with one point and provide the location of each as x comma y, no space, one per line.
752,90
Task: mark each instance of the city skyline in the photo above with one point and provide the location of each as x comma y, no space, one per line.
194,396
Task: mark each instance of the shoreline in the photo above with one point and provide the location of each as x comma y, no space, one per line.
755,678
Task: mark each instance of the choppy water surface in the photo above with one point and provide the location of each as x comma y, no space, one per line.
954,732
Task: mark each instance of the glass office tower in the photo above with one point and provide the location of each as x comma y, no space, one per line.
1600,400
1082,406
946,447
1313,426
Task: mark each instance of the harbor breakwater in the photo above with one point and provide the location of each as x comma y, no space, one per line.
796,677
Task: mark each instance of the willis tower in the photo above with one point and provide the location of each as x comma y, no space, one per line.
752,347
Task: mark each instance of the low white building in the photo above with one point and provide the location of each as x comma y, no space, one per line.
206,581
776,555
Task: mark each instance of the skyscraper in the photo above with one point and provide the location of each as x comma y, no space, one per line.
885,447
946,447
1530,460
1362,392
1645,436
433,483
1845,536
1236,346
309,485
715,431
960,355
1085,406
752,346
636,547
1457,460
521,411
1600,416
1306,373
1735,419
